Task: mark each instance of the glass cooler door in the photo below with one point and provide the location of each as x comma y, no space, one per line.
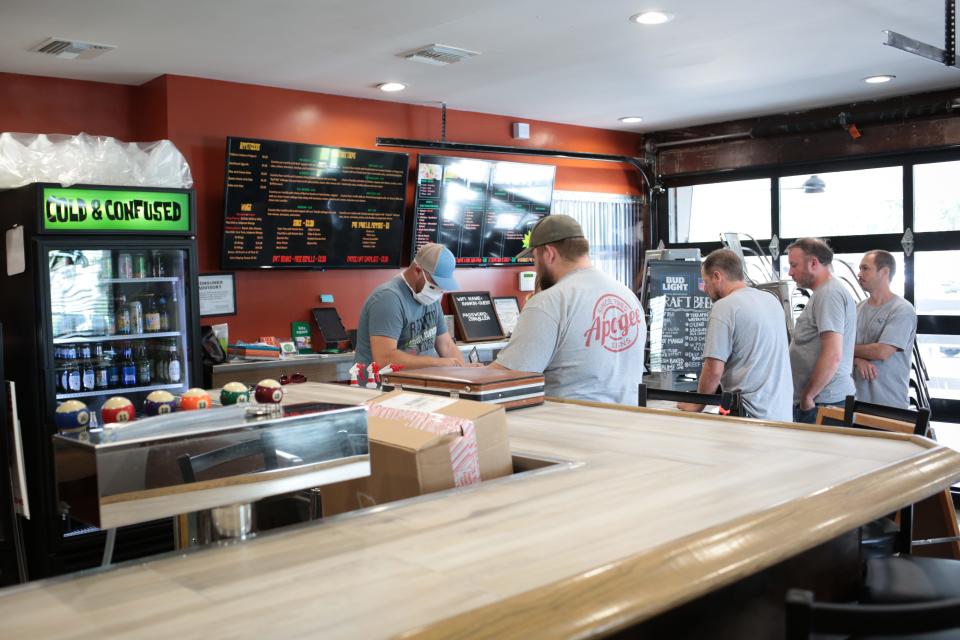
119,323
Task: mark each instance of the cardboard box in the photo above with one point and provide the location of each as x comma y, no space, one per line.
407,461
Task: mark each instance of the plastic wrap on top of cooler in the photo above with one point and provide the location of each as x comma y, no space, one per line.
511,389
180,463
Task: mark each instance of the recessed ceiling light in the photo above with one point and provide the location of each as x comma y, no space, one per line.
390,87
652,17
631,119
878,79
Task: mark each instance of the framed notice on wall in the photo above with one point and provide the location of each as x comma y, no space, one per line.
218,294
476,317
508,310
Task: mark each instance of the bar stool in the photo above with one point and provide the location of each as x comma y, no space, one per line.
903,578
728,401
936,620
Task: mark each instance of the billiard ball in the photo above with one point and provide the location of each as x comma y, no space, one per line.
234,393
268,391
159,403
195,399
72,417
117,409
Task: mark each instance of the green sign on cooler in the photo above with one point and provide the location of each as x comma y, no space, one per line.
67,209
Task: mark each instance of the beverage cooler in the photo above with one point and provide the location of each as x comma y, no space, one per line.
100,300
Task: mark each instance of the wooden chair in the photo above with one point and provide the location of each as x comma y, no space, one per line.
805,617
909,576
929,528
728,401
883,418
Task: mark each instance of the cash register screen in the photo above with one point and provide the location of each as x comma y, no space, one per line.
330,325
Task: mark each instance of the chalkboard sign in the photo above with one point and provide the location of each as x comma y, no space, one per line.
476,318
679,310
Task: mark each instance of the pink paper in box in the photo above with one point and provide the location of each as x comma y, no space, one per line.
464,455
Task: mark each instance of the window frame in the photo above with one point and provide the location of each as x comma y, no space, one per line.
944,410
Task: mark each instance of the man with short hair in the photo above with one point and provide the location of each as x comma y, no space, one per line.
886,330
401,321
821,352
746,343
584,330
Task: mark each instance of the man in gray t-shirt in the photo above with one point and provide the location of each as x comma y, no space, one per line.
746,343
584,330
401,321
886,330
821,352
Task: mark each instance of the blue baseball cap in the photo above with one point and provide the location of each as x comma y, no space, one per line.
439,262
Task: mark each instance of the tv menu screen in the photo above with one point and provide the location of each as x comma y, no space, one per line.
291,205
479,209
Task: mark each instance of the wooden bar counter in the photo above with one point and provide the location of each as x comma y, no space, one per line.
651,510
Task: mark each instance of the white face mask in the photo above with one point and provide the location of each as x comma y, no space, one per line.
429,294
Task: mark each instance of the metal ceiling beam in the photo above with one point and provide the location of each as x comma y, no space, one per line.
946,56
437,145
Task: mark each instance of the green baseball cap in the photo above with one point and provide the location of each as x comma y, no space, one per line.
549,229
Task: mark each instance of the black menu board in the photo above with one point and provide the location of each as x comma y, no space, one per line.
679,309
308,206
475,316
479,209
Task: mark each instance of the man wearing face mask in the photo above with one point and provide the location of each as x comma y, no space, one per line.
584,330
402,323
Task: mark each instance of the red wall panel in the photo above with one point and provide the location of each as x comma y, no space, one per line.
198,115
202,113
34,104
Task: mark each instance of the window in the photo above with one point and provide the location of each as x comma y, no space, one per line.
937,282
842,203
841,262
941,354
936,196
702,212
853,260
611,225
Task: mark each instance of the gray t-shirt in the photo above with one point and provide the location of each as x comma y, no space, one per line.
748,333
893,323
830,308
393,312
586,334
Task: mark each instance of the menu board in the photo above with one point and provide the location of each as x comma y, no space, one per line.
679,310
479,209
296,205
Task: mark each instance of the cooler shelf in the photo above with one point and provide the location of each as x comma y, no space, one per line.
118,390
117,337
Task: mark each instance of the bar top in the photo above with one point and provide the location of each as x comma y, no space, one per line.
243,364
652,509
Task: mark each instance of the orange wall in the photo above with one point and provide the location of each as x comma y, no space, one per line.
198,115
33,104
202,113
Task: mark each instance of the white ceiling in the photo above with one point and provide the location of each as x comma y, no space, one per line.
574,61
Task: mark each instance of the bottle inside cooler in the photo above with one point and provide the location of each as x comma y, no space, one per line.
116,318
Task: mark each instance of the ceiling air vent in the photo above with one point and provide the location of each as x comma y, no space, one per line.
439,54
72,49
